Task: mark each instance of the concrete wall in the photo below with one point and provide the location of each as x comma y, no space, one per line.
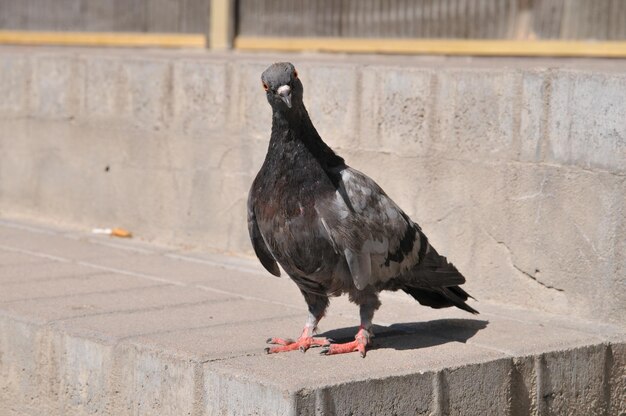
515,169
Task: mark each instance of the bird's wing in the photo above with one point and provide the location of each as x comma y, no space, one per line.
378,240
260,248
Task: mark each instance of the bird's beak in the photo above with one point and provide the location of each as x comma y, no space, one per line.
284,91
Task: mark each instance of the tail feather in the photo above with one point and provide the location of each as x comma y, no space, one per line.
436,283
435,270
441,297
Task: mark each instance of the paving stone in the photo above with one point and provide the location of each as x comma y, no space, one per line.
39,269
45,245
105,282
16,260
141,298
222,311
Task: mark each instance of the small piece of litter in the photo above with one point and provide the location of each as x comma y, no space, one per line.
113,232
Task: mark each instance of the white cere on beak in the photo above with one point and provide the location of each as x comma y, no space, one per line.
284,90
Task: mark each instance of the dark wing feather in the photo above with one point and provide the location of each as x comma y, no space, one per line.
378,240
260,248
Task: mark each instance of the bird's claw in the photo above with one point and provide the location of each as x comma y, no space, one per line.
280,341
302,344
361,341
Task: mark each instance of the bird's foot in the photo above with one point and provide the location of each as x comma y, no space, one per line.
361,341
303,343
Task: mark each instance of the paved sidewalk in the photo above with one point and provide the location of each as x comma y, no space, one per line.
93,324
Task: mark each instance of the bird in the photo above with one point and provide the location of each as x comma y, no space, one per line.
332,229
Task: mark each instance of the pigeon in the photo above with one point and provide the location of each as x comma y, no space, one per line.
332,229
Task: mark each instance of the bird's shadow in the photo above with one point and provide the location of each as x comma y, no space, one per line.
414,335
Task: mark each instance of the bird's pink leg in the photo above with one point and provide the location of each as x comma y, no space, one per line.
317,306
361,341
303,343
368,303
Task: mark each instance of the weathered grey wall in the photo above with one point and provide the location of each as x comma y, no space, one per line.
515,169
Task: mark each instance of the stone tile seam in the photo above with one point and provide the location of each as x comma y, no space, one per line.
34,253
247,297
131,273
199,390
441,400
51,279
97,292
200,327
29,263
142,310
116,246
182,257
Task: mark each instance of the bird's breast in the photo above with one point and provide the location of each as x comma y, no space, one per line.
294,233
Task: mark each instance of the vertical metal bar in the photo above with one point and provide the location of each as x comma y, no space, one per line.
221,24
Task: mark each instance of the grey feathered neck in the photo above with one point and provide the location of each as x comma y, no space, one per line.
296,125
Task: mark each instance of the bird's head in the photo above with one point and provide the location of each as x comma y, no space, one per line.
282,86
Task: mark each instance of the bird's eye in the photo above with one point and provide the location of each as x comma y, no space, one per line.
265,86
295,73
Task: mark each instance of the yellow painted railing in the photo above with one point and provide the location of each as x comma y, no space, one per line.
156,40
438,46
556,48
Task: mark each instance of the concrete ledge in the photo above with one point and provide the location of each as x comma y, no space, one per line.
93,325
516,169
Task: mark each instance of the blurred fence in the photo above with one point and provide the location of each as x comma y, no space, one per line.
345,25
458,19
169,16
